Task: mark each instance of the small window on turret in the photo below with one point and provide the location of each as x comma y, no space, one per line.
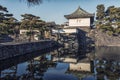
78,20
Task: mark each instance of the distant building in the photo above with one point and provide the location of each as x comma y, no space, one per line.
23,34
78,19
37,34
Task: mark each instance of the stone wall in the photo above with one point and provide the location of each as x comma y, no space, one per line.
8,50
103,39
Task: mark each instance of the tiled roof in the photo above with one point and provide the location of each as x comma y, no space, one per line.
79,13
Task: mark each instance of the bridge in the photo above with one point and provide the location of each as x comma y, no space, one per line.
11,49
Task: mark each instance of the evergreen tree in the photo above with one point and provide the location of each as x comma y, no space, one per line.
33,2
32,22
7,21
109,19
100,12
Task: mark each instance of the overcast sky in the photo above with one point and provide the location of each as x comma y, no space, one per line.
54,10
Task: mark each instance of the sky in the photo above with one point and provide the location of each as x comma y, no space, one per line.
54,10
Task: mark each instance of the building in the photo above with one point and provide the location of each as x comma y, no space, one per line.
23,34
77,29
39,34
78,19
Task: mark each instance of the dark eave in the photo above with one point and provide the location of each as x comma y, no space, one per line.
79,13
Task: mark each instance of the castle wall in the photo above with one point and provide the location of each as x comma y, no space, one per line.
79,22
9,50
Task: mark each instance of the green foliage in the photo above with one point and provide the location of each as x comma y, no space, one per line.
100,12
7,21
117,31
34,2
3,8
110,33
31,22
109,19
30,33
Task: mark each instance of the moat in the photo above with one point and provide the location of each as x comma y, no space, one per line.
103,63
54,42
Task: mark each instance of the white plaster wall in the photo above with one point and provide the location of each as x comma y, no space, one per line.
64,31
22,31
80,67
69,31
69,60
79,22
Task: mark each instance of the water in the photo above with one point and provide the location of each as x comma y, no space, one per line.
64,64
107,63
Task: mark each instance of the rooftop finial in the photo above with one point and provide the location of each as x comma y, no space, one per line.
79,6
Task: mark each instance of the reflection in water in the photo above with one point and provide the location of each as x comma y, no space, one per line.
65,64
108,63
108,70
34,69
109,53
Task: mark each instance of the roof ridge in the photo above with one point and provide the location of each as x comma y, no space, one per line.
79,12
79,8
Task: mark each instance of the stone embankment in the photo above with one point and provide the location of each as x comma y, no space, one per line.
103,39
8,50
